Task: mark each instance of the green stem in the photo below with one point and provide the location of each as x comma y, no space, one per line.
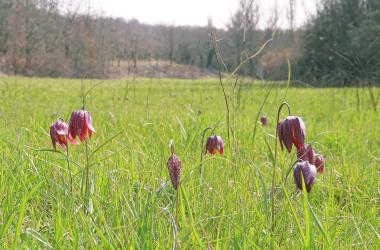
177,206
290,169
275,159
69,167
87,190
202,153
218,59
176,244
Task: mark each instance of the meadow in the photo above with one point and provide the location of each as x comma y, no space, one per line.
132,201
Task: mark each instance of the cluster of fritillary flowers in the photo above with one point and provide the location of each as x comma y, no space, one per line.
80,125
292,131
214,144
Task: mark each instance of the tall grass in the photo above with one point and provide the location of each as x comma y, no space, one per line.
132,197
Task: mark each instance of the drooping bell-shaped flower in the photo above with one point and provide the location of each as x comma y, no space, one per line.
292,131
308,171
80,124
306,153
264,120
215,143
58,133
174,167
319,162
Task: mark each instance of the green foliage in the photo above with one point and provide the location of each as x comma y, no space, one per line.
341,45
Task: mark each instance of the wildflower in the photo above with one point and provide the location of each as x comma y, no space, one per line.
292,131
264,120
309,173
58,133
80,124
174,167
306,153
214,143
319,163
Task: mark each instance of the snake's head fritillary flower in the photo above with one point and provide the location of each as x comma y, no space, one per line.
215,143
58,133
308,171
80,124
319,162
174,167
292,131
306,153
264,120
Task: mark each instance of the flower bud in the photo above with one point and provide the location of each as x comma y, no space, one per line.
174,167
264,120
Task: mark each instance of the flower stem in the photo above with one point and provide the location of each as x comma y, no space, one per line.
202,153
177,207
275,159
69,167
87,189
218,60
176,243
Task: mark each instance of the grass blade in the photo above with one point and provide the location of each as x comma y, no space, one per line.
105,143
23,209
307,215
7,223
295,216
320,227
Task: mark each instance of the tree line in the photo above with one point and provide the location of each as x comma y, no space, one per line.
338,46
342,44
36,38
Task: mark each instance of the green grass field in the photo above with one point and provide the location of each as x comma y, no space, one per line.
132,199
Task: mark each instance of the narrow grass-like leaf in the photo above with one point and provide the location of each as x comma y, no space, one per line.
295,216
270,152
36,235
104,143
320,227
22,210
307,215
7,223
190,213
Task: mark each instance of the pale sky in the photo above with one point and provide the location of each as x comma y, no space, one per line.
194,12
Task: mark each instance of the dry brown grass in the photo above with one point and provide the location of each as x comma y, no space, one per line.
157,69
